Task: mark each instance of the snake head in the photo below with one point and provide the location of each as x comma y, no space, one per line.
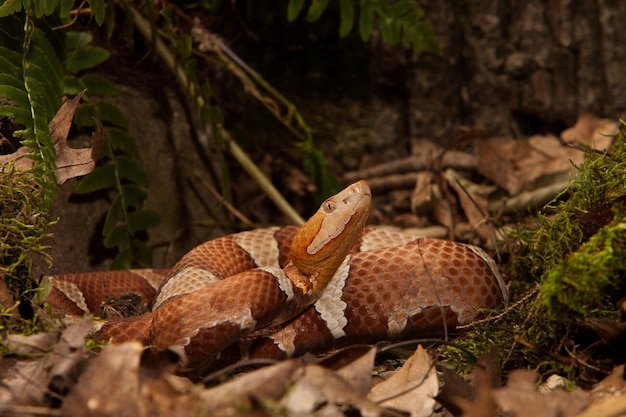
323,242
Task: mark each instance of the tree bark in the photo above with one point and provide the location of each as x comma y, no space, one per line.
517,67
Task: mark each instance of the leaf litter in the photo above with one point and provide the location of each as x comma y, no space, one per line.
53,373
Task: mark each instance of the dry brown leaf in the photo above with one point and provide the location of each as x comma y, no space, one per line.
109,386
260,385
6,297
516,164
56,360
521,164
358,373
424,193
412,388
609,396
495,161
321,391
520,398
36,344
70,162
455,388
549,161
484,404
591,131
473,398
474,205
19,159
73,162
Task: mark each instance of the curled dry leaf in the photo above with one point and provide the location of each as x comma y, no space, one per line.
425,193
412,388
516,165
358,373
254,387
522,164
322,391
521,398
70,162
73,162
473,203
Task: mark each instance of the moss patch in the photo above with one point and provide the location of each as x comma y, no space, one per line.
567,274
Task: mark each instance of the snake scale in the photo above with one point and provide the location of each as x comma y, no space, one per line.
283,291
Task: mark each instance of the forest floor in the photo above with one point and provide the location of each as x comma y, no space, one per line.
516,371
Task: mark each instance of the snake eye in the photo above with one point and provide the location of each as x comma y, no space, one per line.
329,206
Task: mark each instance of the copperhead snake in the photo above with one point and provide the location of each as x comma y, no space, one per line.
280,292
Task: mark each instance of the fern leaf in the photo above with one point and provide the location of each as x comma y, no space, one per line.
346,10
98,85
44,7
316,9
16,94
10,62
366,20
10,7
120,140
86,58
98,10
130,169
31,71
133,195
293,9
101,178
142,220
65,8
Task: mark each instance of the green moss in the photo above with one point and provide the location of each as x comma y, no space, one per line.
578,255
582,283
566,273
23,225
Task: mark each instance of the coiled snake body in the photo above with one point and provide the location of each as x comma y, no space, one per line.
281,292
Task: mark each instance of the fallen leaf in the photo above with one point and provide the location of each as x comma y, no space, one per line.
424,193
264,384
321,391
516,165
49,367
484,404
109,385
70,162
591,131
609,396
19,159
474,205
455,388
412,388
473,398
358,373
520,398
73,162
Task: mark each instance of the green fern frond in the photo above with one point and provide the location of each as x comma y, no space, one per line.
399,21
41,8
30,73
